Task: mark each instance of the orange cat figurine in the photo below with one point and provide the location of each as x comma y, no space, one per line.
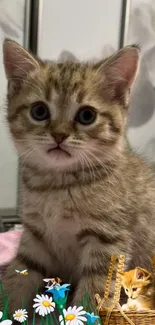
140,289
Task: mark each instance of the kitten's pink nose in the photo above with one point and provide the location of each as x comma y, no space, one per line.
59,137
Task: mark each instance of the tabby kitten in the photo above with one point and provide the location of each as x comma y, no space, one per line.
85,195
139,287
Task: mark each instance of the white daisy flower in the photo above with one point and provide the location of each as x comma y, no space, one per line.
73,316
43,305
20,315
5,322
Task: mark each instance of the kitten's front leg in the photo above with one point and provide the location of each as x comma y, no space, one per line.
94,265
124,307
94,271
33,256
88,286
128,307
21,288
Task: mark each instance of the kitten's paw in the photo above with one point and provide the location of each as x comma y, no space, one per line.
124,307
127,307
140,308
132,307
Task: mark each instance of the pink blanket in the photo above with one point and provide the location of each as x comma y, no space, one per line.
9,242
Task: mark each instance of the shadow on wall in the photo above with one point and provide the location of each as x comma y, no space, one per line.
142,107
142,104
142,31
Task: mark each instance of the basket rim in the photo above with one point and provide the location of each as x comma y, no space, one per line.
129,313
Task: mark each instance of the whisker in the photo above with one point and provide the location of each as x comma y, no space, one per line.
24,161
17,157
100,162
82,165
95,167
36,140
91,166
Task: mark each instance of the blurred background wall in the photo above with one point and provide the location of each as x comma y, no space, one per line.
12,25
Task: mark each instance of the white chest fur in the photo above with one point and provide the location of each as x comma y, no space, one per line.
59,218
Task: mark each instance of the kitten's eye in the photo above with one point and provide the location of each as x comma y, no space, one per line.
39,111
86,115
126,290
134,289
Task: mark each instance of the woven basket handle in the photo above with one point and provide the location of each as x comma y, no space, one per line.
153,264
100,301
109,278
114,259
117,290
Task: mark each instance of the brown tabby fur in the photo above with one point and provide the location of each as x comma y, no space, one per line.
76,217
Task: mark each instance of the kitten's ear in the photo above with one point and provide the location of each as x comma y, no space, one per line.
141,274
17,61
120,70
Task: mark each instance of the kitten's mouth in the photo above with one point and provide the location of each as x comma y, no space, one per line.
58,150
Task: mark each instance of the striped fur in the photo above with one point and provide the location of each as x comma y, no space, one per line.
79,209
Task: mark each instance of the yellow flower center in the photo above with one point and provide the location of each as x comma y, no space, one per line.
70,317
18,315
46,303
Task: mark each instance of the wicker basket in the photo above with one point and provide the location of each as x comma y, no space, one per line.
111,312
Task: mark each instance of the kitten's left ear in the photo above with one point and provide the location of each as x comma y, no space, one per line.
119,71
17,61
141,274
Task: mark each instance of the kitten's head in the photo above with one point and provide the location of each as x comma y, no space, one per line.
68,115
136,282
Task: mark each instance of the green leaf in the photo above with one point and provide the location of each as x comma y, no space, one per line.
56,320
47,320
2,293
5,314
51,320
34,317
63,318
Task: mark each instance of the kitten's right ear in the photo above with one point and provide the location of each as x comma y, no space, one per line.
119,71
17,61
141,274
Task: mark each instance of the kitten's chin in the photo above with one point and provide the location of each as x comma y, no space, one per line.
58,154
58,159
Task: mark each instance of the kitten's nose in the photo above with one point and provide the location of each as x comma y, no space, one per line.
59,137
